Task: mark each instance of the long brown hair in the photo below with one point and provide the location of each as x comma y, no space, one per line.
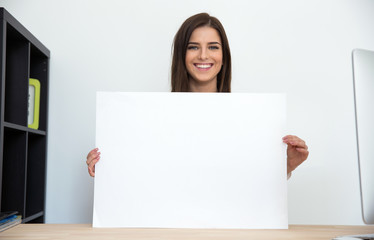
179,73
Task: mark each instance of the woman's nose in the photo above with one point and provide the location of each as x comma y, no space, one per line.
203,54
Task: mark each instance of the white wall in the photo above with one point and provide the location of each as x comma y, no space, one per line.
299,47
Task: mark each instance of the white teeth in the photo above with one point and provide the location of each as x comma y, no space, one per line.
203,65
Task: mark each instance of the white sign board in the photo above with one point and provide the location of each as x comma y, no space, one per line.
191,160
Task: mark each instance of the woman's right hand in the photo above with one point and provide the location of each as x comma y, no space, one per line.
92,158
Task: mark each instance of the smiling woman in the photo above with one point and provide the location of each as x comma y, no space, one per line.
201,56
202,63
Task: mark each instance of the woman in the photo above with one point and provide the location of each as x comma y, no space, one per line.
202,63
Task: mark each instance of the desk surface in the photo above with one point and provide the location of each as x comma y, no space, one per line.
85,231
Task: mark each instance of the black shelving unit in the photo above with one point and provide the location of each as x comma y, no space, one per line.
22,149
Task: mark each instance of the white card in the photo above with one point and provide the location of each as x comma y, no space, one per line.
191,160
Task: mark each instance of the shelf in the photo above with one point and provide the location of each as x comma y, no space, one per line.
35,184
23,153
13,179
16,77
22,128
36,218
5,15
39,70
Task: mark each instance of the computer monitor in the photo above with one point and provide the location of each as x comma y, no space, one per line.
363,85
363,79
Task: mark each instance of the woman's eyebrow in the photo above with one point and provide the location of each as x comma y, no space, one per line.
208,43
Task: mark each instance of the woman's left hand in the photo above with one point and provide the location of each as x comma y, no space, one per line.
297,152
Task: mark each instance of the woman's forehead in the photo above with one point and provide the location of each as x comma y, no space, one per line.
205,34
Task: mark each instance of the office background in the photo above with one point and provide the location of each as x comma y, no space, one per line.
302,48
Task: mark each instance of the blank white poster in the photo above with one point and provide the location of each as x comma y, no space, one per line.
191,160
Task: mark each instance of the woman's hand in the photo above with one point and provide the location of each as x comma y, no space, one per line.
297,152
92,158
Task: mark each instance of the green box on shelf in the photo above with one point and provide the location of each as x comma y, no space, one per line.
34,103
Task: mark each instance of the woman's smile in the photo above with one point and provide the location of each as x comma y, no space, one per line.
203,66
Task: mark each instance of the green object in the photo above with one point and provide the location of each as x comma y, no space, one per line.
34,103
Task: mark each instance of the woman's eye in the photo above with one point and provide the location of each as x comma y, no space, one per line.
192,47
213,47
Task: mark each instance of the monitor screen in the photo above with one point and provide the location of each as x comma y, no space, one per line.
363,78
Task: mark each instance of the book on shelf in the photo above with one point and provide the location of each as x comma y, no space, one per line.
9,219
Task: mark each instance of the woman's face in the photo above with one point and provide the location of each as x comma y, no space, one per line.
204,56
